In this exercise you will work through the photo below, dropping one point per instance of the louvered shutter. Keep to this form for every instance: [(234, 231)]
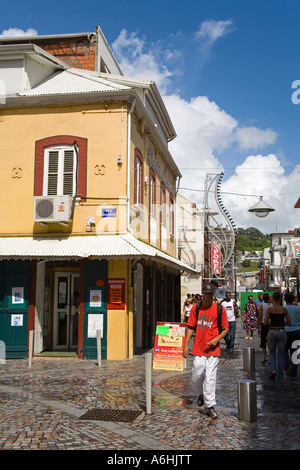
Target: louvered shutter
[(68, 172), (53, 158)]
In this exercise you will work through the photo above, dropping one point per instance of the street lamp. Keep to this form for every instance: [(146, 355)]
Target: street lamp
[(261, 209)]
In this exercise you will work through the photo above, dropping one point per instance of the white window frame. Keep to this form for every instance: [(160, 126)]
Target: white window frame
[(60, 171), (172, 216), (138, 180), (152, 187)]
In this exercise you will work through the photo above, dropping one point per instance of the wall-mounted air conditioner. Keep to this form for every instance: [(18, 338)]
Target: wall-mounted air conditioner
[(52, 209)]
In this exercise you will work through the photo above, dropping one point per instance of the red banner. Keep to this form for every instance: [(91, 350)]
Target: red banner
[(263, 274), (216, 258)]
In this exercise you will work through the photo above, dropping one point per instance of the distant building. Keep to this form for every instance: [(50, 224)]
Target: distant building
[(190, 236), (285, 255)]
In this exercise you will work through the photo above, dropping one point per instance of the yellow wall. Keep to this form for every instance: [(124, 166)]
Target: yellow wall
[(119, 322), (106, 131), (144, 142), (105, 128)]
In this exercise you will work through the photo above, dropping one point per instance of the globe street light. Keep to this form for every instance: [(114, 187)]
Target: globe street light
[(261, 209)]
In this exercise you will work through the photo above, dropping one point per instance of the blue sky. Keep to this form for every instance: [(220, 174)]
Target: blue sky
[(225, 70)]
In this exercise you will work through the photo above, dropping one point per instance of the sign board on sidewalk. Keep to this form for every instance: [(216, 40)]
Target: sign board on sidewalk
[(168, 346)]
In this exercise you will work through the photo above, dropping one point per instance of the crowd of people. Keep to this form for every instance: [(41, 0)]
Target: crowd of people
[(276, 319), (278, 334)]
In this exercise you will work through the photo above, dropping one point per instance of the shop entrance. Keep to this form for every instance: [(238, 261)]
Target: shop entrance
[(65, 311)]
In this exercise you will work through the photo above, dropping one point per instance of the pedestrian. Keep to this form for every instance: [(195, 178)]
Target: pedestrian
[(262, 328), (187, 306), (231, 310), (250, 317), (277, 317), (260, 300), (206, 348), (292, 334)]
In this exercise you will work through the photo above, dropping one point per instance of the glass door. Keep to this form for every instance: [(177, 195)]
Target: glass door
[(74, 311), (66, 295)]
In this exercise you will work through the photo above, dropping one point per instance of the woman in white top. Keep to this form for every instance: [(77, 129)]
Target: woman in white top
[(186, 310)]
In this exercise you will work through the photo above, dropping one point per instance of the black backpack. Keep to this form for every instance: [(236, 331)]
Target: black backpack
[(219, 313)]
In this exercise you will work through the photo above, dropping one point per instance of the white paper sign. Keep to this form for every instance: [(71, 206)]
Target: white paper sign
[(16, 319), (95, 322)]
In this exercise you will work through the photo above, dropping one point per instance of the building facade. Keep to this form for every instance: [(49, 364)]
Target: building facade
[(284, 262), (88, 203)]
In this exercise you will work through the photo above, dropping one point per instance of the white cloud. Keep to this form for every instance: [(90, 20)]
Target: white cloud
[(254, 138), (204, 131), (137, 61), (263, 176), (16, 32), (211, 30)]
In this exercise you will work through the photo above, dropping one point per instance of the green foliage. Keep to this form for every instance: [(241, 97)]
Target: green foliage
[(251, 239)]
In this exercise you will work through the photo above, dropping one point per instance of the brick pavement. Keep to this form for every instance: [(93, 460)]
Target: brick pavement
[(42, 407)]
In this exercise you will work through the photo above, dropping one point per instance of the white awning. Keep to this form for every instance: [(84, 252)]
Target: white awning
[(81, 247)]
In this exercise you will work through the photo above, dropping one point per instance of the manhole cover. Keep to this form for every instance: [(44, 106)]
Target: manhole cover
[(99, 414)]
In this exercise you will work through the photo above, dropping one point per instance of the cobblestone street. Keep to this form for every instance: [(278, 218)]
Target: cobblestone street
[(42, 407)]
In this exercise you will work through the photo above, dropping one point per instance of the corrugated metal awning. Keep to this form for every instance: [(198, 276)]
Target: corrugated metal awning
[(81, 247)]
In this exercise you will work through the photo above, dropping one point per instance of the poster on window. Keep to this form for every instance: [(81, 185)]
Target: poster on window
[(168, 346), (95, 297), (16, 320), (17, 295)]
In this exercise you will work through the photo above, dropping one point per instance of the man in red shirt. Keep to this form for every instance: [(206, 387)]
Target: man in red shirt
[(206, 348)]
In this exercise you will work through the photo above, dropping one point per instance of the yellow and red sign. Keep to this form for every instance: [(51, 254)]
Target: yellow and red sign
[(168, 346)]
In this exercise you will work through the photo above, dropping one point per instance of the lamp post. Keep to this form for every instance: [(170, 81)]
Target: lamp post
[(261, 209)]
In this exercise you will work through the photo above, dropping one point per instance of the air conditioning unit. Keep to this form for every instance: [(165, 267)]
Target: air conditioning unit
[(52, 209)]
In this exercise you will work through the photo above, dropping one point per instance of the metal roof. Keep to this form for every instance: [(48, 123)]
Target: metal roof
[(71, 81), (81, 247)]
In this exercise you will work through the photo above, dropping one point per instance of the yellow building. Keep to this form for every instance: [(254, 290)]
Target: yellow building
[(87, 211)]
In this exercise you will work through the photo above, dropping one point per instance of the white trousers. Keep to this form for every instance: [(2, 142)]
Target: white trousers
[(204, 378)]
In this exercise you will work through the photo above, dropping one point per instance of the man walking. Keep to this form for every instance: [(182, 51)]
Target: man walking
[(231, 310), (206, 348)]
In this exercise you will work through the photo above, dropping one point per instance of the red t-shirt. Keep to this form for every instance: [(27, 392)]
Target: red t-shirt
[(207, 328)]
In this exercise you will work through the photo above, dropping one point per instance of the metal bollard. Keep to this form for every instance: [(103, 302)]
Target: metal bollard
[(99, 357), (30, 352), (148, 357), (2, 353), (249, 359), (247, 407)]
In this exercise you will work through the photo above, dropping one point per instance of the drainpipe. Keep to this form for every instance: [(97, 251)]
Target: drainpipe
[(128, 165)]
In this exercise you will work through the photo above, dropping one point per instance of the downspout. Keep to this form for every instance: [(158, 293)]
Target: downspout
[(129, 329), (176, 221), (128, 164), (76, 183)]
